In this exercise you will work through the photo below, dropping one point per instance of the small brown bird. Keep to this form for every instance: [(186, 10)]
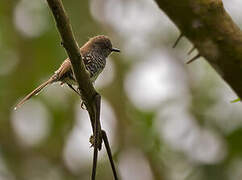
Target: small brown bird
[(94, 54)]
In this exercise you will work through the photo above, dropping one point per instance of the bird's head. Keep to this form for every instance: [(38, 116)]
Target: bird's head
[(101, 44)]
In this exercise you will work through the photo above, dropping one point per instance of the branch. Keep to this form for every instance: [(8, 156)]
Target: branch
[(90, 97), (62, 21), (108, 149), (212, 31)]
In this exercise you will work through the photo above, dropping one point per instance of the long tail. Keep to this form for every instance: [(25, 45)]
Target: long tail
[(36, 91)]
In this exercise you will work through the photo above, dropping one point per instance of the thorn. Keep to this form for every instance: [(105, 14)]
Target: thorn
[(193, 59), (191, 50), (83, 106), (177, 41)]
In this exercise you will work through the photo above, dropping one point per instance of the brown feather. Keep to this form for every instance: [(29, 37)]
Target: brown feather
[(35, 91), (92, 63)]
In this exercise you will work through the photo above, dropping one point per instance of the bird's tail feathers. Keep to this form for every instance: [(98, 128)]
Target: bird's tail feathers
[(35, 91)]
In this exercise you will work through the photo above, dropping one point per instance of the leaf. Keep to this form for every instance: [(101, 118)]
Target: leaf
[(235, 101)]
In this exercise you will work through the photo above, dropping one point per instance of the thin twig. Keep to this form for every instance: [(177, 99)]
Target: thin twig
[(94, 163), (97, 126), (106, 143)]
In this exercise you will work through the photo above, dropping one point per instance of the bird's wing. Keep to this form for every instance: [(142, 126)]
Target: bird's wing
[(63, 69)]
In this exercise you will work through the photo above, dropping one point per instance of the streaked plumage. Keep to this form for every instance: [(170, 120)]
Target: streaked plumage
[(94, 54)]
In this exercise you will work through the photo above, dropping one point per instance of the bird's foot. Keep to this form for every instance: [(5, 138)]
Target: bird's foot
[(83, 105), (99, 143)]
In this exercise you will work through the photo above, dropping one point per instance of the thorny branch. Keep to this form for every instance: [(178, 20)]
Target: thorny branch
[(212, 31), (90, 97)]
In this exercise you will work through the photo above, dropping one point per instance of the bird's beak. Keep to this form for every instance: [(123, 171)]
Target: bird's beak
[(115, 50)]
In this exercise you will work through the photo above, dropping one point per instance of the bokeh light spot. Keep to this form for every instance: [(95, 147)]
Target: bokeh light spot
[(150, 82), (31, 17), (8, 61), (134, 166), (31, 123)]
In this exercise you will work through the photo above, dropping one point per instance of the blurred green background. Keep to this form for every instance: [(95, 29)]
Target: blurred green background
[(165, 120)]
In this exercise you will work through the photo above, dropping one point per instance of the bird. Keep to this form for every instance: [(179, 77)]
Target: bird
[(94, 53)]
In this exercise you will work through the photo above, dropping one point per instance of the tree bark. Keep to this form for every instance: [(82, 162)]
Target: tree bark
[(212, 31), (72, 49)]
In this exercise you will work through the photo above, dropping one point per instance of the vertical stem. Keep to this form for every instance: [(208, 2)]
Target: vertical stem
[(97, 130), (106, 143), (94, 165)]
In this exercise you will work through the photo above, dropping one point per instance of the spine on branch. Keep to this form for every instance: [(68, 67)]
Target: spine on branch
[(214, 34)]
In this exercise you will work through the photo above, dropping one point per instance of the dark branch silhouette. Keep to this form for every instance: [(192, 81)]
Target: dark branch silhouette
[(90, 97)]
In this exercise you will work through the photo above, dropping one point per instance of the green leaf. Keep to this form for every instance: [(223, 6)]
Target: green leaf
[(235, 101)]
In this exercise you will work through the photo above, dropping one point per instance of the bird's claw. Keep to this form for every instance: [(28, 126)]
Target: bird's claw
[(92, 142)]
